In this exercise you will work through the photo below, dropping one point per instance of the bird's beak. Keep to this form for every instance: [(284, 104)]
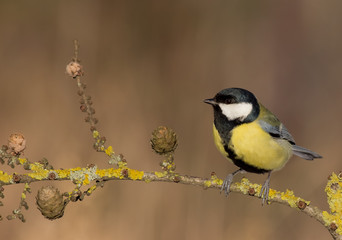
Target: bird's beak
[(210, 101)]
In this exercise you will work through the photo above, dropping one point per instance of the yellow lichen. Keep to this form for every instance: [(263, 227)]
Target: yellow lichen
[(70, 194), (160, 174), (96, 134), (334, 194), (122, 164), (217, 181), (91, 189), (38, 171), (272, 193), (63, 173), (4, 177), (339, 176), (245, 185), (333, 218), (117, 173), (214, 180), (109, 151), (291, 199), (288, 196), (86, 179), (83, 175), (22, 161), (170, 166), (23, 196), (36, 167), (207, 183), (111, 172), (135, 174)]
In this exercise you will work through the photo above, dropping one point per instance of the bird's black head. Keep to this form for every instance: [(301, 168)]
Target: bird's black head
[(235, 104)]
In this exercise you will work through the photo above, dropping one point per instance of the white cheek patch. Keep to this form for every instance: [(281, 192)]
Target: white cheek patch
[(236, 110)]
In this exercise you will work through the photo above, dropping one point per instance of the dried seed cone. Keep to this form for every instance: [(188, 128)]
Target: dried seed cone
[(74, 69), (164, 140), (17, 143), (50, 202)]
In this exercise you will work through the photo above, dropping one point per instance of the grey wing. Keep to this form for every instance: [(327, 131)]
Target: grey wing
[(277, 131), (283, 133)]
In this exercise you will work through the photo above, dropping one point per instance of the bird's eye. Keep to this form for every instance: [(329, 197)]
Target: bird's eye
[(226, 99), (229, 100)]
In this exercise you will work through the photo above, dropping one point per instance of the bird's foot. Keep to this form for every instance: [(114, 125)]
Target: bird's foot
[(265, 189), (226, 184), (228, 181)]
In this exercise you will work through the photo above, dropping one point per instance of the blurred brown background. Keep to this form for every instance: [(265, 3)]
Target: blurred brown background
[(151, 63)]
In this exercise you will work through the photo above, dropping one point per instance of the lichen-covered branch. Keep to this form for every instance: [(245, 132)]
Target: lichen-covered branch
[(91, 176), (87, 179)]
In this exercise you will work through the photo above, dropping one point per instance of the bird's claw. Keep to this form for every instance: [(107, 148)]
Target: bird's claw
[(265, 189), (226, 184)]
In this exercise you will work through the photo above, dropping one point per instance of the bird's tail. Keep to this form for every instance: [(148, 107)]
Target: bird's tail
[(304, 153)]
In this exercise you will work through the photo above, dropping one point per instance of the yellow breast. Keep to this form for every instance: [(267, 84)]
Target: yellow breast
[(219, 143), (257, 148)]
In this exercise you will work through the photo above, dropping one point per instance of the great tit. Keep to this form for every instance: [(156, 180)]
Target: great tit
[(251, 137)]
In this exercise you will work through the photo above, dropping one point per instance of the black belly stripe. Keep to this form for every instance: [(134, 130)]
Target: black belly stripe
[(241, 164)]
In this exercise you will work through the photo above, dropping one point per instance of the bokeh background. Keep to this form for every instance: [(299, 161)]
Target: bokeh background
[(150, 63)]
